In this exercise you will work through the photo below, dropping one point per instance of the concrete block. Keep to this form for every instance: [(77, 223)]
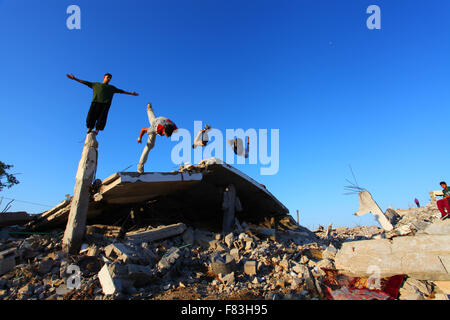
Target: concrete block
[(169, 258), (250, 268), (223, 265), (7, 264), (439, 227), (122, 252), (156, 234), (7, 260), (235, 254), (109, 283), (229, 239), (424, 257)]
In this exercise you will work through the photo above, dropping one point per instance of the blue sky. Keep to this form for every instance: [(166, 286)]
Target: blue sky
[(339, 93)]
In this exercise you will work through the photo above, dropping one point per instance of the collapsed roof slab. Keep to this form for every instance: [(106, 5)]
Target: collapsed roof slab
[(254, 196), (131, 187), (120, 188), (200, 189)]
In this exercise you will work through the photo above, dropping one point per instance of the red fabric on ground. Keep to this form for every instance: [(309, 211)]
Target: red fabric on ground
[(342, 287)]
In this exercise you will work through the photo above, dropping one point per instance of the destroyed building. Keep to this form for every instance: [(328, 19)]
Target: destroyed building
[(211, 232)]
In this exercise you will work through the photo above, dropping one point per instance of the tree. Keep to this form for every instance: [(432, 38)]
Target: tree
[(10, 178)]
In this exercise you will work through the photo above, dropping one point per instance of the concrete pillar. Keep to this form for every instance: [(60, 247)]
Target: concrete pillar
[(76, 223), (230, 204), (367, 204)]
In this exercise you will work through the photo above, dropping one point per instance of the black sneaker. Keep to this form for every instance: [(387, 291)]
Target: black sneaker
[(445, 217)]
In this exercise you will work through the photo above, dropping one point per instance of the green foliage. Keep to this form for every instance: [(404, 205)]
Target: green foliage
[(10, 178)]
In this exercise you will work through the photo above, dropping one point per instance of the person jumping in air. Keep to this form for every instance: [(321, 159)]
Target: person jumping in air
[(238, 147), (101, 101), (161, 126), (202, 138)]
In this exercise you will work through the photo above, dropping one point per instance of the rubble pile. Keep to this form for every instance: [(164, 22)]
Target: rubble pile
[(252, 262), (263, 263), (211, 232)]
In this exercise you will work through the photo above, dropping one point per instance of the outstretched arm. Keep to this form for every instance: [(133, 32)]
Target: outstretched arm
[(134, 93), (71, 76), (143, 131)]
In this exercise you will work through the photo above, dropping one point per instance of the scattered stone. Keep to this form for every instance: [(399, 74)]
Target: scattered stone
[(229, 239), (109, 281), (250, 268)]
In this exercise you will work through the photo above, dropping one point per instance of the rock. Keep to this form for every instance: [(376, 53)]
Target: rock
[(235, 254), (285, 263), (120, 251), (62, 290), (304, 259), (413, 289), (329, 253), (229, 239), (229, 278), (325, 263), (202, 238), (45, 266), (223, 265), (26, 289), (249, 244), (140, 275), (188, 236), (109, 282), (250, 268), (169, 258), (93, 251), (7, 264)]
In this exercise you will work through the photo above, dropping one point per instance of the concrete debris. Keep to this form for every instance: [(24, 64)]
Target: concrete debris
[(14, 218), (156, 234), (161, 236)]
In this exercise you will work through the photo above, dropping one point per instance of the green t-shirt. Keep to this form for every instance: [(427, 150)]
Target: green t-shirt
[(446, 192), (103, 92)]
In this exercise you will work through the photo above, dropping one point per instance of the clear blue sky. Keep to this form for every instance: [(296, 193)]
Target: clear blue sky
[(339, 93)]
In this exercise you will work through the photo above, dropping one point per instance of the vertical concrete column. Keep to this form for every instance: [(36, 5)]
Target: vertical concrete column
[(76, 223), (230, 204)]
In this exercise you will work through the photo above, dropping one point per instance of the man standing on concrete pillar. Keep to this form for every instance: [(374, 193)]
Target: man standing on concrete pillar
[(101, 101), (158, 126)]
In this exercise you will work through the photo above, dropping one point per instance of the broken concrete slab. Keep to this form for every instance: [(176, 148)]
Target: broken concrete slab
[(199, 190), (109, 282), (130, 187), (7, 260), (439, 227), (105, 230), (121, 251), (169, 258), (424, 257), (156, 234), (14, 218), (367, 204), (222, 264)]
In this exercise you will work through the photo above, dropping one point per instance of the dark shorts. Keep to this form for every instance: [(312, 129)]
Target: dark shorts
[(97, 115)]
